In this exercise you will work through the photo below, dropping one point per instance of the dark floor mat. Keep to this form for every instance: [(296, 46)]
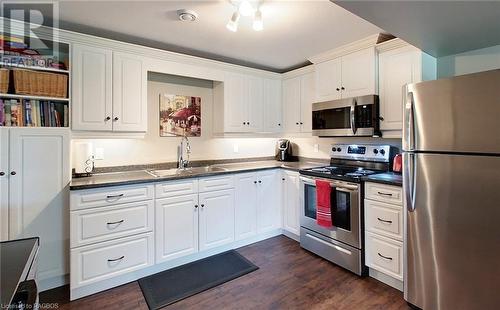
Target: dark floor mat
[(172, 285)]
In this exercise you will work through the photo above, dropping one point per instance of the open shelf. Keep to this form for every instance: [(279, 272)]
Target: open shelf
[(33, 97), (48, 69)]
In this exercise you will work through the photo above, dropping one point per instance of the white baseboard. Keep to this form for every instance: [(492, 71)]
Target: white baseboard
[(133, 276), (291, 235), (53, 282), (382, 277)]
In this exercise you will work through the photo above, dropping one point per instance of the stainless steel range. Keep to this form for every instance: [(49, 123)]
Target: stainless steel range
[(342, 243)]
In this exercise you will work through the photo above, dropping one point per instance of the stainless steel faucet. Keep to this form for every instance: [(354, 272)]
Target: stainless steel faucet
[(183, 162)]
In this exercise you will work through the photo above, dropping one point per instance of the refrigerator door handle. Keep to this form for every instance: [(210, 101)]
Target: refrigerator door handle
[(410, 114), (353, 116), (409, 180)]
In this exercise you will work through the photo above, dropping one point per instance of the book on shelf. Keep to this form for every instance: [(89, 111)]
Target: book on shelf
[(33, 113)]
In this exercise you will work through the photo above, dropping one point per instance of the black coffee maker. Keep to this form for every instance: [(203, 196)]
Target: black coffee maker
[(284, 150)]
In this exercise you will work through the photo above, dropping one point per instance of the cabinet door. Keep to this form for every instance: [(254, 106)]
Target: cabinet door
[(39, 194), (4, 184), (129, 93), (91, 89), (328, 76), (272, 106), (307, 98), (396, 69), (291, 202), (291, 104), (269, 200), (176, 227), (245, 207), (359, 74), (235, 97), (255, 104), (216, 218)]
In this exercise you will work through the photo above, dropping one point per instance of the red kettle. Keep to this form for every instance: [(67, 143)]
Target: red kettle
[(397, 164)]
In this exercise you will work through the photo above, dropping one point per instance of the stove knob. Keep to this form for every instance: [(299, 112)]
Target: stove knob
[(375, 151), (339, 149), (382, 152)]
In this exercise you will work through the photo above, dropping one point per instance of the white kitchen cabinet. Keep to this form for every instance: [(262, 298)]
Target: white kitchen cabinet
[(38, 178), (328, 77), (273, 110), (176, 227), (108, 90), (234, 96), (350, 75), (255, 104), (268, 200), (91, 75), (4, 184), (297, 101), (291, 202), (245, 207), (129, 93), (216, 218), (399, 64)]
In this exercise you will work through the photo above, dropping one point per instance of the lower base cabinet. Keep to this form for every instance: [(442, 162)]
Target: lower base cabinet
[(216, 218), (291, 202)]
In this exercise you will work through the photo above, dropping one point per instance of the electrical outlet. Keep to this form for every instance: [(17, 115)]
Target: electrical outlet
[(316, 148), (236, 148), (99, 153)]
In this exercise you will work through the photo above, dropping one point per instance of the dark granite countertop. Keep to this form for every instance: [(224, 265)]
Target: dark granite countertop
[(143, 176), (389, 178), (16, 257)]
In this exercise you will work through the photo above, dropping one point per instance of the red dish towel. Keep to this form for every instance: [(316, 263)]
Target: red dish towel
[(323, 204)]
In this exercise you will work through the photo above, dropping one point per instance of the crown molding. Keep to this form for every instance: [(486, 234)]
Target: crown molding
[(355, 46), (298, 72), (393, 44)]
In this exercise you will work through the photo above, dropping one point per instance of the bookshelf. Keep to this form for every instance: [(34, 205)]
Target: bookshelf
[(22, 103)]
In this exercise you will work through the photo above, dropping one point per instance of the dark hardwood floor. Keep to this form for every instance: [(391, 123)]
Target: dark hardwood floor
[(289, 278)]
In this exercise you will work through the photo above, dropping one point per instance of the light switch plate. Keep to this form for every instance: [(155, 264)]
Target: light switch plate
[(99, 153), (316, 148), (236, 148)]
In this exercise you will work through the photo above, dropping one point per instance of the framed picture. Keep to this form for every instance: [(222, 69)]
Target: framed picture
[(180, 115)]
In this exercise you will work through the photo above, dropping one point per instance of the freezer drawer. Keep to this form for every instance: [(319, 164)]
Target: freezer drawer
[(453, 232)]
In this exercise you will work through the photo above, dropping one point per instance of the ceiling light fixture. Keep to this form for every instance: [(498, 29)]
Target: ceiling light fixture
[(246, 8), (258, 24), (232, 25)]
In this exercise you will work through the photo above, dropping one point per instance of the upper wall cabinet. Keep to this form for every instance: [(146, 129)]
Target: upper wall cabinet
[(347, 76), (246, 103), (109, 90), (298, 95), (399, 64)]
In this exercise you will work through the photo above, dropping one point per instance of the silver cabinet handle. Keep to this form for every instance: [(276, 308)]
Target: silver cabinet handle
[(117, 222), (114, 196), (116, 259), (385, 221), (385, 257), (384, 194)]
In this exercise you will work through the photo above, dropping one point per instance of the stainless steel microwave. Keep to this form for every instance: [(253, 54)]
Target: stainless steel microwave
[(358, 116)]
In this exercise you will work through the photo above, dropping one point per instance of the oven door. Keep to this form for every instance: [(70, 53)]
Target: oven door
[(345, 201), (346, 117)]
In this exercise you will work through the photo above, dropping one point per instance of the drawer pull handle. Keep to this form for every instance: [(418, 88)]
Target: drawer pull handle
[(116, 259), (114, 196), (384, 194), (117, 222), (389, 258), (385, 221)]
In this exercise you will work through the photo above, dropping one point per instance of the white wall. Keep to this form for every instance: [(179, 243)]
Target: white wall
[(469, 62), (156, 149)]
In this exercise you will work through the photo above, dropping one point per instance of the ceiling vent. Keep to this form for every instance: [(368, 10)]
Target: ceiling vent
[(187, 15)]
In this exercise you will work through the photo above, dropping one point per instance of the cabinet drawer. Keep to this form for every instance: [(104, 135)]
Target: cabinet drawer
[(385, 219), (216, 183), (176, 188), (105, 260), (384, 193), (91, 198), (105, 223), (384, 255)]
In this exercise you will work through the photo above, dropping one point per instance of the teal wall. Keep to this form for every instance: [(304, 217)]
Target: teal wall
[(469, 62)]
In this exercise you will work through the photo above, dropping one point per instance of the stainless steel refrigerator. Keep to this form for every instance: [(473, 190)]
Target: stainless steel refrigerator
[(451, 160)]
